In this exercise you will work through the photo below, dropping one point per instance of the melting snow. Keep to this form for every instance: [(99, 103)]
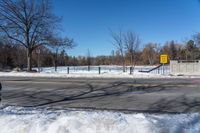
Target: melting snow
[(29, 120)]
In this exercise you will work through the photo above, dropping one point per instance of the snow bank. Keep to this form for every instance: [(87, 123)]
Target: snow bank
[(27, 120)]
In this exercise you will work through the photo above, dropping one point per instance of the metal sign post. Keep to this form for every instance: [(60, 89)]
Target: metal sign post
[(163, 68), (163, 60)]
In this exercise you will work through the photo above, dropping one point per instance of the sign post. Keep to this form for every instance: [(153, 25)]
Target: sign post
[(163, 60)]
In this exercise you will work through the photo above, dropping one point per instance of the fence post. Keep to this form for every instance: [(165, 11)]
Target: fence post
[(130, 70), (99, 70), (67, 70)]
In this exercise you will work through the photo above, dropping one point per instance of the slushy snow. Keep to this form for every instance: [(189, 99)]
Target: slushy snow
[(32, 120)]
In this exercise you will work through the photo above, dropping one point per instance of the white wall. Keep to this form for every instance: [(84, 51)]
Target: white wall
[(185, 67)]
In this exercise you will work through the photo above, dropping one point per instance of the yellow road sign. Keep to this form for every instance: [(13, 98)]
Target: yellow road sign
[(163, 58)]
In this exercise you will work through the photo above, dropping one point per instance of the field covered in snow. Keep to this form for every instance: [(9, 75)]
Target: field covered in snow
[(105, 72), (103, 69), (30, 120)]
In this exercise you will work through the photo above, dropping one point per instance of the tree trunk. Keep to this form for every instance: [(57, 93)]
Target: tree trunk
[(123, 60), (29, 60), (131, 61), (134, 64), (150, 61), (56, 60), (55, 65)]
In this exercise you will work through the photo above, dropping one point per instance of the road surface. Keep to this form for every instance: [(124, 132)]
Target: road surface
[(137, 95)]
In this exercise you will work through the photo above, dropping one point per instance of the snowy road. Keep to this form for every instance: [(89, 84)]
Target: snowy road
[(137, 95)]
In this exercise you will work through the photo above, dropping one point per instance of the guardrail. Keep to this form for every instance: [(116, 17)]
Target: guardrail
[(160, 69), (106, 69)]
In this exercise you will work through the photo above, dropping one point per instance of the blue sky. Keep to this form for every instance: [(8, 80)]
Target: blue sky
[(89, 21)]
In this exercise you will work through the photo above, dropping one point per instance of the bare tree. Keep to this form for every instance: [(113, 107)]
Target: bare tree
[(112, 62), (149, 53), (118, 42), (131, 42), (191, 50), (27, 22), (58, 44), (196, 38)]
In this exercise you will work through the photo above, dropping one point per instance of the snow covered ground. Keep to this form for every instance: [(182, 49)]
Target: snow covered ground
[(94, 69), (41, 120), (106, 72), (29, 120), (82, 71), (82, 75), (112, 69)]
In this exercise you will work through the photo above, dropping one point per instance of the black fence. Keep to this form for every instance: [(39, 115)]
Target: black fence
[(107, 69)]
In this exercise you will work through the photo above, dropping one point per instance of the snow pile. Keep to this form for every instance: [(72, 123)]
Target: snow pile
[(23, 120)]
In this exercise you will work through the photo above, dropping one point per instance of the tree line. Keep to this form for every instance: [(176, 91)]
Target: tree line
[(15, 55), (30, 36), (31, 24)]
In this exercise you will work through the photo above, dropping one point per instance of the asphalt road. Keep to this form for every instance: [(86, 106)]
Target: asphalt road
[(137, 95)]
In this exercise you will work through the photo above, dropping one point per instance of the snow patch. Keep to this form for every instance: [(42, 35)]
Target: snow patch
[(29, 120)]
